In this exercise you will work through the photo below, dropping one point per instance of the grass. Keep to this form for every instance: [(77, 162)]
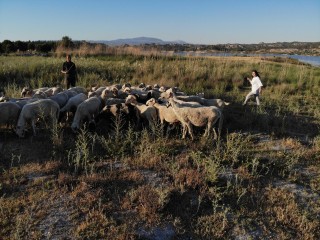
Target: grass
[(259, 180)]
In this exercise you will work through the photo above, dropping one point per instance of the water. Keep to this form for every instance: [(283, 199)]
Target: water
[(313, 60)]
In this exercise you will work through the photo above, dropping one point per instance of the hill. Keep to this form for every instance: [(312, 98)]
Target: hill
[(137, 41)]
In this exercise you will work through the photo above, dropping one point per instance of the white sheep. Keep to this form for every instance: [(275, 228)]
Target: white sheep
[(145, 112), (96, 91), (111, 101), (199, 116), (53, 91), (72, 104), (39, 95), (42, 108), (87, 110), (60, 98), (9, 113), (29, 92), (165, 114), (78, 89), (203, 101)]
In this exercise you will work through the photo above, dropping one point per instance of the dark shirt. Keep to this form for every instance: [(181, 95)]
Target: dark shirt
[(70, 68)]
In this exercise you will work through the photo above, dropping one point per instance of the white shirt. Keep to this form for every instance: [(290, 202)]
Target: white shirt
[(255, 84)]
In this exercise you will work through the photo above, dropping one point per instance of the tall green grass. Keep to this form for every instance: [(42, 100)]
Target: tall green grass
[(293, 87)]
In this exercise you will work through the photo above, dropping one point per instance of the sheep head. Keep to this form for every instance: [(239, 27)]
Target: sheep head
[(20, 131), (151, 102), (131, 99), (25, 91)]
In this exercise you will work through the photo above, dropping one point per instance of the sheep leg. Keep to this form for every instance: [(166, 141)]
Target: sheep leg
[(190, 130), (33, 127), (215, 134), (184, 131)]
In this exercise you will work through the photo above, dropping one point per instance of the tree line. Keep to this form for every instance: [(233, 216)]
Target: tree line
[(8, 46), (66, 42)]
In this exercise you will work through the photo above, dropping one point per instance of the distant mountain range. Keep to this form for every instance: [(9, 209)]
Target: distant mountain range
[(138, 41)]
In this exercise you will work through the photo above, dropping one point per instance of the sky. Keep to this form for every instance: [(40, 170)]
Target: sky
[(193, 21)]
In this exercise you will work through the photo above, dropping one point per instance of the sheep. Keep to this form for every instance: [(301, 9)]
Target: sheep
[(61, 98), (70, 93), (203, 101), (41, 108), (78, 89), (165, 114), (165, 96), (113, 110), (87, 110), (111, 101), (2, 93), (148, 113), (126, 113), (9, 113), (72, 105), (200, 116), (96, 91), (126, 85), (39, 95), (27, 91), (53, 91), (23, 101), (142, 85), (107, 93), (154, 93), (215, 102), (4, 99)]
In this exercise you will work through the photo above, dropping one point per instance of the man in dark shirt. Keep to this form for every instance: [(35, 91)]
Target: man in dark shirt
[(69, 69)]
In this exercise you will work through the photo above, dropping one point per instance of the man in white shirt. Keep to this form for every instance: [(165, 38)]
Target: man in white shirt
[(256, 87)]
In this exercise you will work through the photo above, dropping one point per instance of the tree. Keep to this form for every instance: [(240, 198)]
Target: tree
[(31, 46), (8, 46), (66, 42), (21, 46), (44, 47)]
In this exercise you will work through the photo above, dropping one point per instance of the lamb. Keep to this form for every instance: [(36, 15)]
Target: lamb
[(200, 116), (87, 110), (32, 111), (148, 113), (9, 113), (72, 104)]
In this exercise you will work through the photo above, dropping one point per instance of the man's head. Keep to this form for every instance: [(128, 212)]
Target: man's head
[(68, 58)]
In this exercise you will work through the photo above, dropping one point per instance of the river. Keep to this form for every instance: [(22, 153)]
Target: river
[(313, 60)]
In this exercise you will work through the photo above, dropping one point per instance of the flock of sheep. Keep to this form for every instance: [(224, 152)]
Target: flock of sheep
[(141, 104)]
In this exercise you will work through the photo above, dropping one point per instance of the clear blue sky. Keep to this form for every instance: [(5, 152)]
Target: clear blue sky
[(194, 21)]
